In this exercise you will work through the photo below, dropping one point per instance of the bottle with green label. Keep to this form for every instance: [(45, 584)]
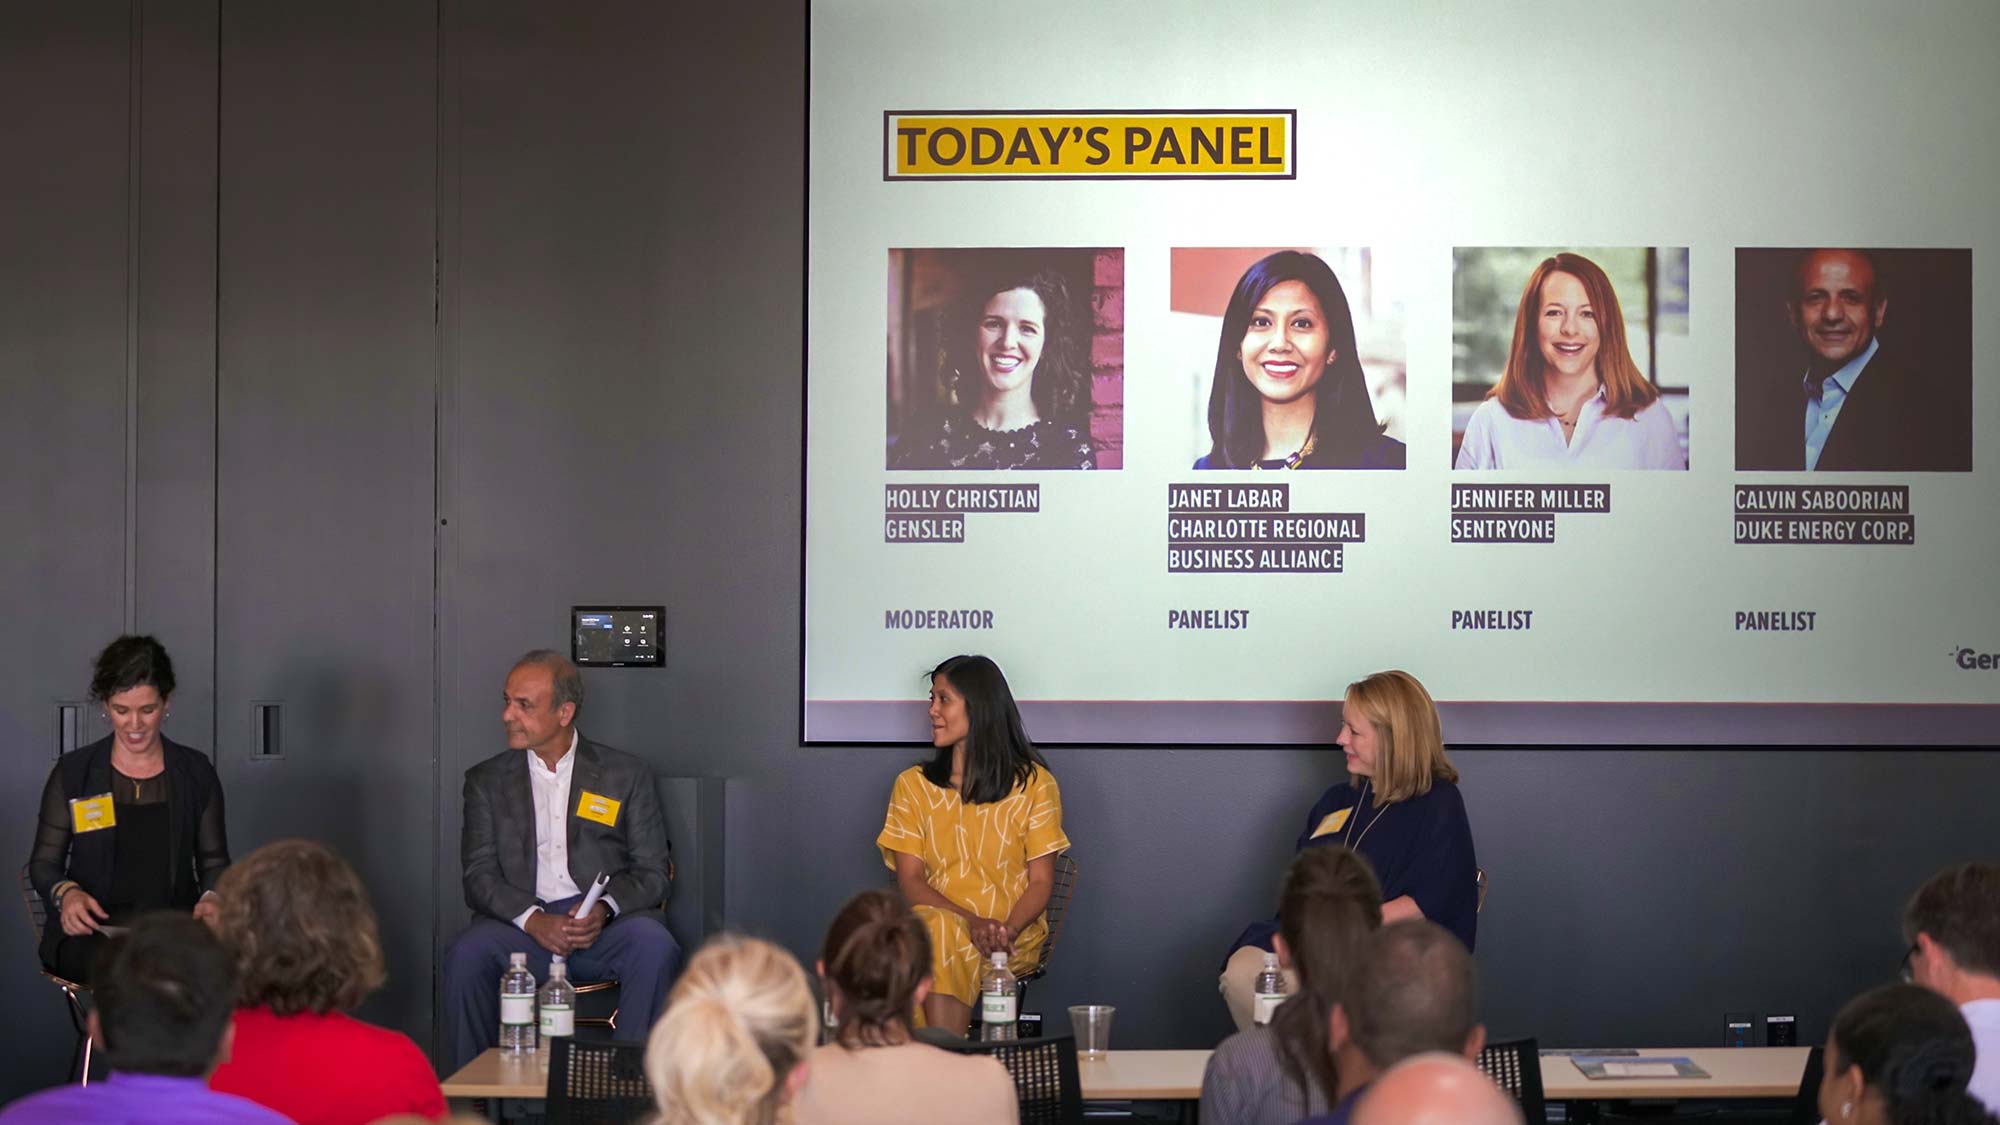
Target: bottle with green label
[(557, 1002), (517, 1006), (999, 1000)]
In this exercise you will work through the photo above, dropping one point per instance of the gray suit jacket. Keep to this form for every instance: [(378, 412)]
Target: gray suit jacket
[(497, 844)]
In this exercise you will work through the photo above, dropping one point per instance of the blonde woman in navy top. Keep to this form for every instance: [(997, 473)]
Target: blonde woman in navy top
[(1399, 808)]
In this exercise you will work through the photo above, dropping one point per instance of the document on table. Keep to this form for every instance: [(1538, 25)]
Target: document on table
[(1600, 1066)]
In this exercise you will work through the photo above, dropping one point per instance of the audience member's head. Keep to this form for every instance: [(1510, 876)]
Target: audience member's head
[(1329, 904), (1436, 1089), (1899, 1053), (1952, 925), (876, 964), (304, 935), (164, 994), (731, 1048), (1411, 991)]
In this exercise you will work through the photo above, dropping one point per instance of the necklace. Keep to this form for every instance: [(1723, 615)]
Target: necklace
[(1354, 814), (1296, 459)]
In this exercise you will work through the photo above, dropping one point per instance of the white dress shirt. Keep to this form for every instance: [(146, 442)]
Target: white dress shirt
[(550, 787), (1983, 1016), (1824, 401), (1495, 439)]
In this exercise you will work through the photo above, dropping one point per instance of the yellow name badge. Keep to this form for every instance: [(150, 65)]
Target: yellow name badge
[(601, 809), (88, 814), (1331, 823)]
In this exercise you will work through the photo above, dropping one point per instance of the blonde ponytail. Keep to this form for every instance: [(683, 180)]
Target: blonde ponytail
[(738, 1023)]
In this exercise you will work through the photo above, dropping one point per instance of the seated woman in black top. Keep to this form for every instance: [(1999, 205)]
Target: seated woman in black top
[(129, 823), (1400, 809), (1015, 366)]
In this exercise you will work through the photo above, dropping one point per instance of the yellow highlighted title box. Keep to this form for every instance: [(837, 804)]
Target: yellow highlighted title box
[(1260, 144)]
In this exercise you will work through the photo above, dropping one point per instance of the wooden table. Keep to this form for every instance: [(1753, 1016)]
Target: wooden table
[(1141, 1076), (497, 1075), (1738, 1072), (1734, 1072), (1120, 1076)]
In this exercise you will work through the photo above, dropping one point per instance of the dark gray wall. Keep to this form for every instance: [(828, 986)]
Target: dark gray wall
[(484, 311)]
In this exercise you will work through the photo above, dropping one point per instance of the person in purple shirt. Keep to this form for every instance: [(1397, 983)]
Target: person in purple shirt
[(165, 992)]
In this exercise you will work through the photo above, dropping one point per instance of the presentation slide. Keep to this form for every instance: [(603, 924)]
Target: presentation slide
[(1625, 373)]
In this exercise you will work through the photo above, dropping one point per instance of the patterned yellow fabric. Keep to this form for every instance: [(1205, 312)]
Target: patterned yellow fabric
[(976, 856)]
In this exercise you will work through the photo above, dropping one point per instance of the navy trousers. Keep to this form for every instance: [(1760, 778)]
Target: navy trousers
[(636, 951)]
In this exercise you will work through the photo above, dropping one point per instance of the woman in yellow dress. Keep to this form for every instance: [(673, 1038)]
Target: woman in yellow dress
[(973, 836)]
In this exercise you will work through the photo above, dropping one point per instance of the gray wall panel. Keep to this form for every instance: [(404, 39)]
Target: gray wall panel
[(174, 509), (63, 139), (326, 418)]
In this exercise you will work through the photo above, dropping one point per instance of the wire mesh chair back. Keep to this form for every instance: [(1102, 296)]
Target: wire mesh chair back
[(38, 911), (1515, 1065), (597, 1083), (1046, 1083), (1059, 896), (73, 993)]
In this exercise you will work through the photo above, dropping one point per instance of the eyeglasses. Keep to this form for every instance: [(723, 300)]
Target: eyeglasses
[(1908, 974)]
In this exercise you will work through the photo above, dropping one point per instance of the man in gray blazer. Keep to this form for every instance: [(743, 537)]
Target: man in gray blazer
[(542, 819)]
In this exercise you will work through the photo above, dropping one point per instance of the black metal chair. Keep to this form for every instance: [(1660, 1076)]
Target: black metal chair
[(597, 1083), (1515, 1065), (597, 1004), (73, 993), (1046, 1083), (1058, 907), (1805, 1104), (597, 1000)]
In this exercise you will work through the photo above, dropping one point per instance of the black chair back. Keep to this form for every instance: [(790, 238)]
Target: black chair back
[(1046, 1083), (597, 1083), (1805, 1104), (1515, 1065), (1058, 907), (73, 993)]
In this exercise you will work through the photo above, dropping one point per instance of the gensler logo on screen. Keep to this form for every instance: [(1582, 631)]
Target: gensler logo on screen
[(1970, 659), (1090, 144)]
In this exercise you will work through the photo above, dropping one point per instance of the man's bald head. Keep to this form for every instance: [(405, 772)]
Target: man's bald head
[(1436, 1089)]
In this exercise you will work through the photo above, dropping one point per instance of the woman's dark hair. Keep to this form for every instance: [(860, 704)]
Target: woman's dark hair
[(1914, 1049), (999, 758), (876, 953), (1330, 903), (165, 990), (1343, 421), (1061, 389), (299, 923), (129, 662)]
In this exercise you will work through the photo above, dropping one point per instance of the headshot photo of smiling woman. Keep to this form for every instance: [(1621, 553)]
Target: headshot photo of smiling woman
[(1291, 385), (997, 358), (1570, 392)]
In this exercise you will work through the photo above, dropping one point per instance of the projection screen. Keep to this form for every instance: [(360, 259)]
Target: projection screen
[(1622, 371)]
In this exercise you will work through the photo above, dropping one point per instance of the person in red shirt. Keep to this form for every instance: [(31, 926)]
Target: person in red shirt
[(309, 951)]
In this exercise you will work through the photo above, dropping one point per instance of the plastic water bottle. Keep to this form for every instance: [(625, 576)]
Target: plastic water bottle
[(557, 1004), (1269, 990), (517, 1006), (999, 1001)]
